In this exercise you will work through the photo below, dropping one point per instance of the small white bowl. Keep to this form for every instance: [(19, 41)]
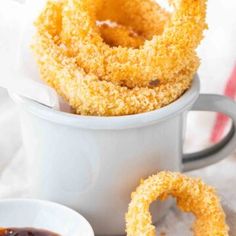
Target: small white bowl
[(18, 213)]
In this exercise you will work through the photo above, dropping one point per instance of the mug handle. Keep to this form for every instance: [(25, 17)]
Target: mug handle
[(215, 103)]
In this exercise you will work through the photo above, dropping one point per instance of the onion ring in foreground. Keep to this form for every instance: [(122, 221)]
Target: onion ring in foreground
[(192, 195)]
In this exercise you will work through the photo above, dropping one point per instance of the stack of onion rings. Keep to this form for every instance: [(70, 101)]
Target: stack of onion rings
[(192, 196), (152, 66), (159, 58)]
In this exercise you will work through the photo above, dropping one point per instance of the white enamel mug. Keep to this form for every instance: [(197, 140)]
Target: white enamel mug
[(92, 164)]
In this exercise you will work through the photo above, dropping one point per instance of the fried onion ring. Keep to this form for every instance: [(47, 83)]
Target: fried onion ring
[(161, 57), (88, 93), (192, 196), (145, 17), (125, 19), (85, 92)]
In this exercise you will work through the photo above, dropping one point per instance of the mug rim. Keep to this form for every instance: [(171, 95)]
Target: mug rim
[(112, 122)]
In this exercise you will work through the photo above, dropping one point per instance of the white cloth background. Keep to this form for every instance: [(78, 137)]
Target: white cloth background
[(218, 53)]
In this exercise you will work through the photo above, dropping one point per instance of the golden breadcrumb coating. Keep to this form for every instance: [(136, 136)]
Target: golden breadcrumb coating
[(145, 17), (86, 93), (120, 35), (159, 58), (135, 22), (192, 195), (90, 93)]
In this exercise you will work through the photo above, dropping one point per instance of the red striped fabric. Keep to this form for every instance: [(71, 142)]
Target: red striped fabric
[(222, 120)]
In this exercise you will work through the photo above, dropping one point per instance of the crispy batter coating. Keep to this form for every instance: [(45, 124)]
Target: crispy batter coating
[(119, 35), (134, 23), (161, 57), (88, 92), (192, 195), (85, 92), (145, 17)]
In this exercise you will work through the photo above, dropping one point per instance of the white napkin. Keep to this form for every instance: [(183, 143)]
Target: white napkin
[(19, 72), (10, 31)]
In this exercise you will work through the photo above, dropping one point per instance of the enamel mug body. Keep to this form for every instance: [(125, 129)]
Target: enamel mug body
[(92, 164)]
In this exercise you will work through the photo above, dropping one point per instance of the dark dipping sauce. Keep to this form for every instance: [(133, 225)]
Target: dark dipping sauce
[(25, 232)]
